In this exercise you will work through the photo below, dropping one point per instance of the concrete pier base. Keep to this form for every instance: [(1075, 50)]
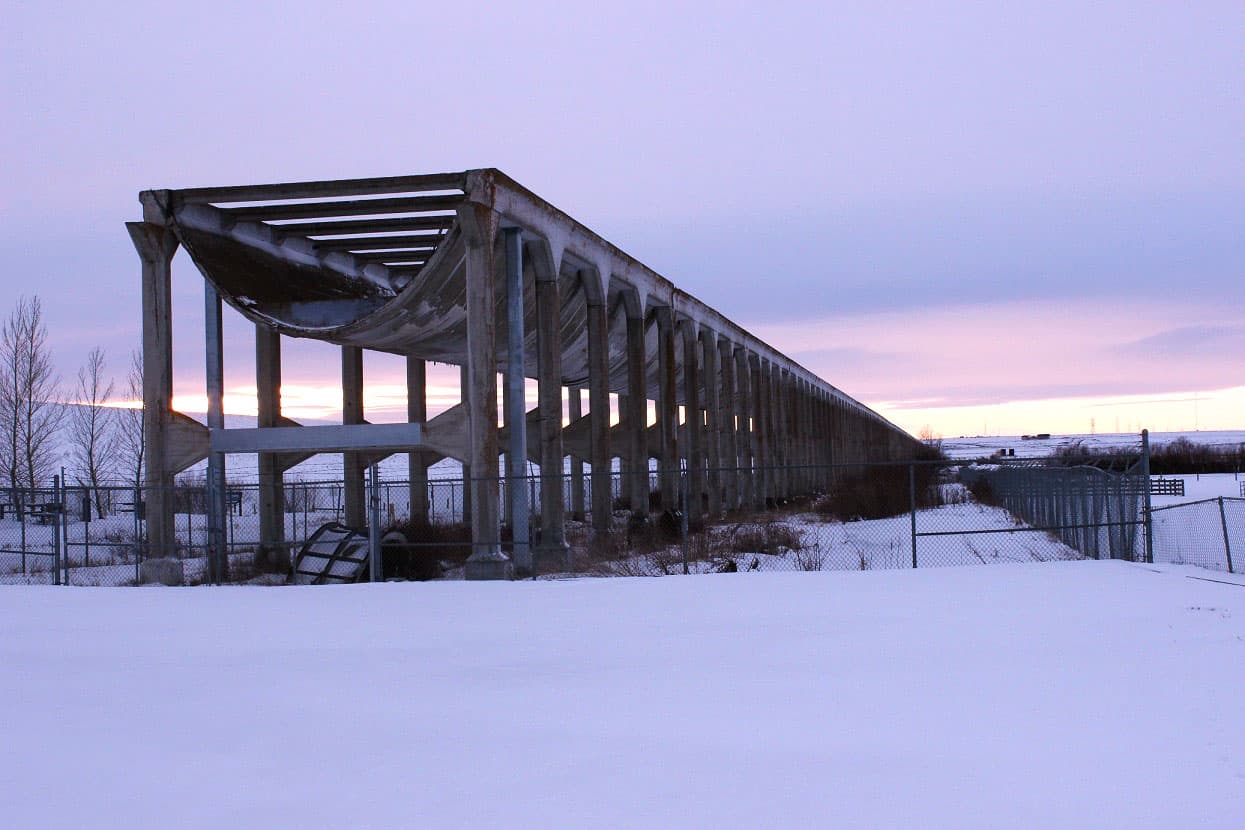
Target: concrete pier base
[(551, 558), (494, 565), (163, 571)]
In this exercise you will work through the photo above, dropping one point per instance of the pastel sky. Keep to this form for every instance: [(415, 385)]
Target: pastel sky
[(975, 217)]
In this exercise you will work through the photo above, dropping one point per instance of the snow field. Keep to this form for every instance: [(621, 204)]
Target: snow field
[(1077, 694)]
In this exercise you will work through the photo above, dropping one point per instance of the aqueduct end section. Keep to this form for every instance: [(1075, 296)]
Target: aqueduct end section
[(474, 270)]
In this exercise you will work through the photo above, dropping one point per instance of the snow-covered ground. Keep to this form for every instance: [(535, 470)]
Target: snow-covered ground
[(981, 446), (1075, 694), (1201, 487)]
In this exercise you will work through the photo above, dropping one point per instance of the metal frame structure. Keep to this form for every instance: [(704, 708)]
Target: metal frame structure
[(475, 270)]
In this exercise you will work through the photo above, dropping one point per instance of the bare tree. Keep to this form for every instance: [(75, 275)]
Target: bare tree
[(10, 403), (31, 413), (90, 434), (130, 447)]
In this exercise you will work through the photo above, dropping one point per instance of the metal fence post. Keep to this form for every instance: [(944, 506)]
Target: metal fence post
[(1227, 546), (1145, 474), (62, 523), (18, 497), (56, 537), (912, 506), (373, 531), (683, 497)]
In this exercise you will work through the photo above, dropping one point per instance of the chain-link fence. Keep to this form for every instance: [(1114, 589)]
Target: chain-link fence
[(1208, 533), (863, 516)]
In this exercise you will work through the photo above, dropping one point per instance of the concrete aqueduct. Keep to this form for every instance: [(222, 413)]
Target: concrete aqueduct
[(473, 269)]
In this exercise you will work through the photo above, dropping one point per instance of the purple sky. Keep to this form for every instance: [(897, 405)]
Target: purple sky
[(918, 202)]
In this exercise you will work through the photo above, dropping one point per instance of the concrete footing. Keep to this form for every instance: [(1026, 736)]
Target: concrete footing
[(161, 572), (495, 565), (553, 558)]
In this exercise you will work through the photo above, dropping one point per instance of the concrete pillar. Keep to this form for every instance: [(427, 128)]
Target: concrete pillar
[(272, 554), (575, 409), (417, 413), (214, 351), (466, 483), (778, 432), (713, 425), (599, 414), (552, 553), (761, 415), (352, 413), (636, 416), (514, 405), (487, 561), (744, 395), (667, 411), (728, 428), (156, 245), (692, 426)]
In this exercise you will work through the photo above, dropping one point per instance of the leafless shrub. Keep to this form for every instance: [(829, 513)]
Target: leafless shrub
[(811, 558), (772, 538)]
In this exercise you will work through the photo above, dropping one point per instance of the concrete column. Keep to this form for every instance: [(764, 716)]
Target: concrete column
[(761, 415), (272, 554), (552, 552), (713, 426), (729, 432), (417, 413), (778, 432), (156, 245), (692, 425), (352, 413), (468, 519), (487, 561), (599, 413), (218, 554), (744, 397), (575, 409), (636, 416), (514, 404), (667, 410)]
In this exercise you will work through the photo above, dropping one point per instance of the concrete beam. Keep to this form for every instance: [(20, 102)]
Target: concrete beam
[(357, 439)]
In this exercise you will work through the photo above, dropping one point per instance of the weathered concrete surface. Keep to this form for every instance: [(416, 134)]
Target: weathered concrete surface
[(414, 266)]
